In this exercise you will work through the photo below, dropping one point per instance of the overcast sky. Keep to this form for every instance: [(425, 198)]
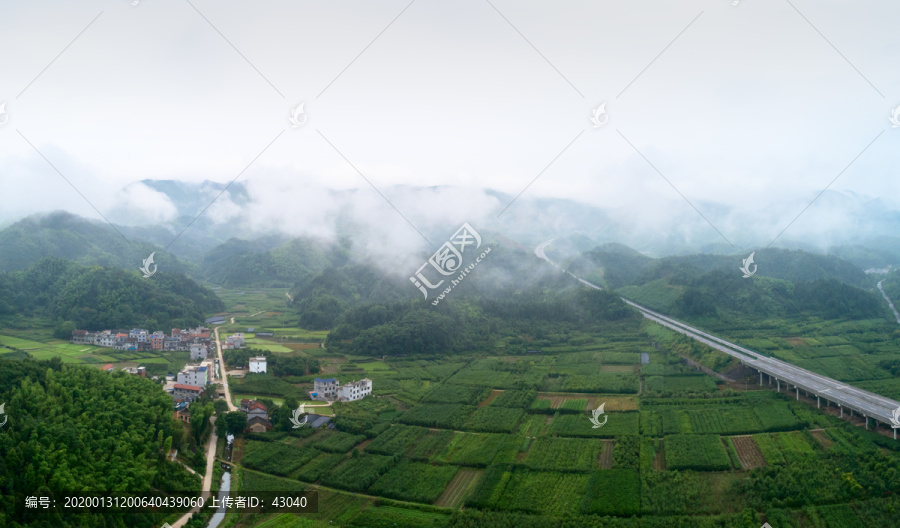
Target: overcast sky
[(763, 102)]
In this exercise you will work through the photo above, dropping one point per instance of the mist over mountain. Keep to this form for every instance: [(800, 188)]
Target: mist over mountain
[(245, 234)]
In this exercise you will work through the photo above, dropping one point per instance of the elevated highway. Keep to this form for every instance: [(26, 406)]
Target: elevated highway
[(865, 403)]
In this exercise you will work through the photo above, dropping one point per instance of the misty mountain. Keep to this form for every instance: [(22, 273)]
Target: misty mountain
[(71, 237), (97, 298), (270, 261)]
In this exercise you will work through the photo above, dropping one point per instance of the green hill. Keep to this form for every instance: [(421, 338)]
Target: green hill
[(269, 261), (71, 237), (97, 298)]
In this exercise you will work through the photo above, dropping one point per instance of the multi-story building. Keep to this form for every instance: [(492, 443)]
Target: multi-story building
[(324, 389), (156, 340), (106, 339), (193, 375), (172, 343), (198, 352), (186, 392), (258, 364), (140, 334), (236, 340), (355, 390), (330, 389)]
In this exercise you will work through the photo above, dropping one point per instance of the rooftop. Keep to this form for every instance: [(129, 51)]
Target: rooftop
[(188, 387)]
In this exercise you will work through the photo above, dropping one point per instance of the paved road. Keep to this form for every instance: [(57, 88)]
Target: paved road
[(886, 298), (231, 406), (864, 402)]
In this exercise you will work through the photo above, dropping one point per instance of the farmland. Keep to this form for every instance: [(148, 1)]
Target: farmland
[(488, 440)]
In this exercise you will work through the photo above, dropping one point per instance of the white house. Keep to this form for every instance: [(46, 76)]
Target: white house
[(236, 340), (331, 389), (355, 390), (193, 375), (198, 352), (258, 364)]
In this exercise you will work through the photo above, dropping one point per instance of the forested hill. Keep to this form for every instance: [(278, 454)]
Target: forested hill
[(270, 261), (785, 283), (97, 298), (510, 269), (71, 237), (616, 266), (71, 429), (478, 323)]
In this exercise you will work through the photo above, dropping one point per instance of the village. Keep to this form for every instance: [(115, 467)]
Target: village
[(204, 374)]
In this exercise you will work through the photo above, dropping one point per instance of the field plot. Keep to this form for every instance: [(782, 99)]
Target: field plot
[(613, 403), (551, 453), (513, 398), (605, 460), (427, 447), (22, 344), (466, 394), (613, 492), (276, 458), (597, 382), (671, 384), (494, 419), (480, 450), (491, 397), (781, 448), (625, 423), (544, 492), (395, 440), (414, 481), (697, 452), (393, 516), (463, 483), (357, 474), (443, 415), (748, 452)]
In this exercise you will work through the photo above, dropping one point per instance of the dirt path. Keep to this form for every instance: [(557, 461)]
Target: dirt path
[(605, 459), (207, 478), (458, 488), (659, 463), (289, 296), (487, 401), (748, 452), (819, 434)]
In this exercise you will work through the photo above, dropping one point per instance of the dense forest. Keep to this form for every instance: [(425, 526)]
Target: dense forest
[(417, 327), (73, 429), (274, 261), (97, 298)]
